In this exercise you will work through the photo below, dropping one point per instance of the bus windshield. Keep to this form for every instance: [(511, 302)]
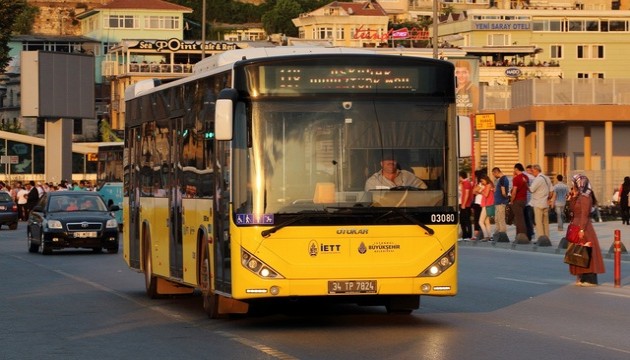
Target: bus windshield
[(313, 155)]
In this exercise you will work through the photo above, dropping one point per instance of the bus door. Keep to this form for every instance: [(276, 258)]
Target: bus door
[(176, 193), (132, 189)]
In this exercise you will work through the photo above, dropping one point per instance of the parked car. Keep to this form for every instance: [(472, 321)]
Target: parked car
[(72, 219), (8, 211)]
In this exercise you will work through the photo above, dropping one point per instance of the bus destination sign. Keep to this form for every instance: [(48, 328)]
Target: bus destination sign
[(306, 79)]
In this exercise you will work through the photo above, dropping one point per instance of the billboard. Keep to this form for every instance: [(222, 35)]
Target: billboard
[(57, 85)]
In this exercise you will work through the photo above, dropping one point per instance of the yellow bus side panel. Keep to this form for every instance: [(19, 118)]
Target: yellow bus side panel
[(154, 218), (196, 217)]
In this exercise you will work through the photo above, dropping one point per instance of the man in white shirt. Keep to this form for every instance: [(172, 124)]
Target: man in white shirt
[(390, 176), (540, 189)]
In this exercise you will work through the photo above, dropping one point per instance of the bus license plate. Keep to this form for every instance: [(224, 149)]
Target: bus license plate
[(352, 286), (85, 234)]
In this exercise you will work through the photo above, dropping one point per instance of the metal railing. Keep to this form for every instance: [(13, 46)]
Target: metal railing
[(534, 92)]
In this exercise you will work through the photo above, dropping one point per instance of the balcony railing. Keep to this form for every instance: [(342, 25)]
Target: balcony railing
[(534, 92), (112, 68)]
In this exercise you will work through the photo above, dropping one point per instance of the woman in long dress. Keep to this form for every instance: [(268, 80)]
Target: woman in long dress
[(581, 200)]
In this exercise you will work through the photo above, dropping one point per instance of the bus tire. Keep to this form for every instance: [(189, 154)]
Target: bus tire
[(150, 280), (402, 304), (210, 299)]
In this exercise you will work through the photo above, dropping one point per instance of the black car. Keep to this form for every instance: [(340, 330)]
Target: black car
[(72, 219), (8, 211)]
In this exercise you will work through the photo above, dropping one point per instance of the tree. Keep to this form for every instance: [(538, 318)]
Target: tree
[(8, 10), (278, 20)]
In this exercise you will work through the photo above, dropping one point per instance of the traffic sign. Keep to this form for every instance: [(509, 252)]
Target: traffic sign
[(485, 122)]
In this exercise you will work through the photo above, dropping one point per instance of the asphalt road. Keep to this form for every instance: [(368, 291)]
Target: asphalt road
[(512, 304)]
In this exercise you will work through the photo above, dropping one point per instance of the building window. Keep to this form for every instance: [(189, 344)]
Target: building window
[(324, 33), (590, 51), (41, 126), (121, 21), (498, 39), (161, 22), (556, 51), (595, 75), (78, 127), (340, 34)]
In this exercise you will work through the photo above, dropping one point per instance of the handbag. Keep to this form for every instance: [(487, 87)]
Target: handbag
[(490, 211), (578, 255), (573, 234)]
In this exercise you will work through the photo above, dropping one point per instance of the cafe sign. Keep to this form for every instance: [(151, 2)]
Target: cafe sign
[(175, 45)]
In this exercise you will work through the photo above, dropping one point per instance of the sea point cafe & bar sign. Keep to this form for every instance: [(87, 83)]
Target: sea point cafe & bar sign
[(175, 45)]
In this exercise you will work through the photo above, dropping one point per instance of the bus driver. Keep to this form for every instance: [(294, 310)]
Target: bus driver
[(390, 176)]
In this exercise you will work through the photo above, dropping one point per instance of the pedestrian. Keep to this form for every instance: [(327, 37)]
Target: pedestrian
[(21, 198), (518, 198), (476, 205), (559, 200), (487, 207), (501, 199), (581, 200), (32, 197), (465, 202), (624, 192), (529, 210), (541, 193)]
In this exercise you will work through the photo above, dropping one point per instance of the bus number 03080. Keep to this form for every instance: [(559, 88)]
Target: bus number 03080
[(443, 218)]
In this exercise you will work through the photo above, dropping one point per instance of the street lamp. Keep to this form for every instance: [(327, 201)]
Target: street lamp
[(435, 29)]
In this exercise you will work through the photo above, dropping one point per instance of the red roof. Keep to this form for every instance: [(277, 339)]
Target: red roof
[(370, 8), (144, 5)]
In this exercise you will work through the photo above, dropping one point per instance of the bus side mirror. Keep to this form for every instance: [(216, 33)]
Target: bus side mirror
[(223, 119), (224, 114), (464, 135)]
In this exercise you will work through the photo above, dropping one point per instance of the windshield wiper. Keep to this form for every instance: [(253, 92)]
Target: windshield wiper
[(298, 217), (410, 218)]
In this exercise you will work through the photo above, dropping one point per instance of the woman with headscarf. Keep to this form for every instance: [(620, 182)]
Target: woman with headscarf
[(581, 200), (624, 191)]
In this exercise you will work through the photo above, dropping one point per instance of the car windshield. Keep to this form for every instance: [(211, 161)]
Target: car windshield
[(5, 196), (76, 203)]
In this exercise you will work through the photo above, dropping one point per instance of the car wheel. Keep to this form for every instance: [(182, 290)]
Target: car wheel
[(32, 248), (13, 226), (43, 248), (113, 250), (97, 250)]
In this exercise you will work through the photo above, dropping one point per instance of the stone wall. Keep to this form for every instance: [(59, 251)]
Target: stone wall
[(58, 17)]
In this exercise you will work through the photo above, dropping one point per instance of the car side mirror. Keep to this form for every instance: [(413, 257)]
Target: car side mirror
[(38, 208), (114, 208)]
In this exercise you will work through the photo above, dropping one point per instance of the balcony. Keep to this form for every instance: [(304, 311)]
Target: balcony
[(112, 69), (546, 92)]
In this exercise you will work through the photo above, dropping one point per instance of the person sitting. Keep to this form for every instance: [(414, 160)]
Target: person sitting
[(72, 206), (87, 204), (391, 176)]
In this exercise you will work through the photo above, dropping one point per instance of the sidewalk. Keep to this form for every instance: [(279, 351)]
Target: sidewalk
[(605, 233)]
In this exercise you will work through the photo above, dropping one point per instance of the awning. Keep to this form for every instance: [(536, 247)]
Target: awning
[(501, 50)]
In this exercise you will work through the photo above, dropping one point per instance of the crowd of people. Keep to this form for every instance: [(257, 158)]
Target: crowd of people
[(528, 198), (27, 194)]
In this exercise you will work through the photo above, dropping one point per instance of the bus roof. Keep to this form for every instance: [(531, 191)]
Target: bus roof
[(230, 57)]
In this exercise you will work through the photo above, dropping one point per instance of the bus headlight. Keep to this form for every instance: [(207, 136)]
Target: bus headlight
[(444, 262), (255, 265)]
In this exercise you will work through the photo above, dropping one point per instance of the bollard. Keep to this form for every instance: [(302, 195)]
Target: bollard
[(617, 245)]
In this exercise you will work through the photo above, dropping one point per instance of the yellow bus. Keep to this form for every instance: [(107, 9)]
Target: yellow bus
[(247, 180)]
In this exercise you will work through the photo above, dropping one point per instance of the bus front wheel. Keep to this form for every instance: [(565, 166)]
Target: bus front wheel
[(210, 300), (150, 280)]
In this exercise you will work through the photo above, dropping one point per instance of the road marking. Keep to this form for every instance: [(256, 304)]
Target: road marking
[(260, 347), (613, 294), (523, 281)]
